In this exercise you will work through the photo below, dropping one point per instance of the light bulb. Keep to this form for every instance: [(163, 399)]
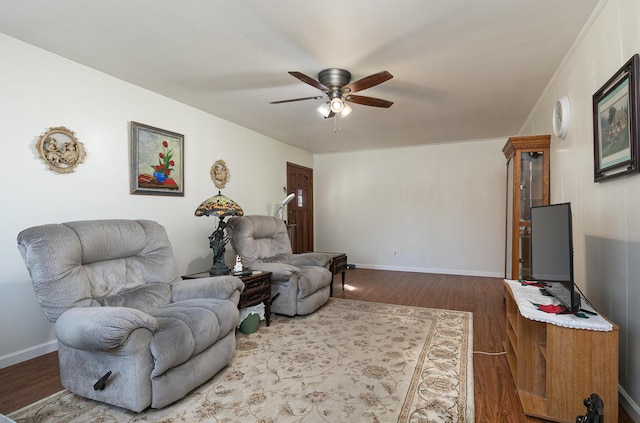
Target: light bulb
[(346, 110), (336, 105)]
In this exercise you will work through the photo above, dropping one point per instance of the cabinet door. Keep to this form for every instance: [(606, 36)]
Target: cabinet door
[(532, 194)]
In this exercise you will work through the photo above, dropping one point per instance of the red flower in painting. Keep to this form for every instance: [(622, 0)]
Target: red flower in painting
[(165, 164)]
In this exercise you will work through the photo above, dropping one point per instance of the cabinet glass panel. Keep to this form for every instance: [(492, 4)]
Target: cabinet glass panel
[(531, 195), (525, 251), (531, 183)]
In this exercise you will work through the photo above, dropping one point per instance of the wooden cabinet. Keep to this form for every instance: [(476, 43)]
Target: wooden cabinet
[(527, 186), (338, 265), (257, 289), (556, 368)]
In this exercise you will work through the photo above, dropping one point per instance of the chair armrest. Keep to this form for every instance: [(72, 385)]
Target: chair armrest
[(100, 328), (220, 287), (311, 259), (279, 271)]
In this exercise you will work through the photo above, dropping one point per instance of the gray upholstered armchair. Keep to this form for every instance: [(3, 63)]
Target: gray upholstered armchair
[(300, 281), (113, 290)]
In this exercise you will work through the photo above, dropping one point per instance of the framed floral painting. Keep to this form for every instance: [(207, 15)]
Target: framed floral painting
[(157, 161)]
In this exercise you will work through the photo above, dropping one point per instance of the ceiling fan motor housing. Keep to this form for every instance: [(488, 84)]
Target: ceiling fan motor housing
[(334, 78)]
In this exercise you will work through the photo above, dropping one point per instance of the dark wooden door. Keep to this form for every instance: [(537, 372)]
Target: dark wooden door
[(300, 210)]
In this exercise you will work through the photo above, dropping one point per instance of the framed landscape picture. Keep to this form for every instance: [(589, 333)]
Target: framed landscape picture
[(615, 124), (157, 161)]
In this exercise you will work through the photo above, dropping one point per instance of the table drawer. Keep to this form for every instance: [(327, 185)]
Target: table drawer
[(254, 293), (339, 264)]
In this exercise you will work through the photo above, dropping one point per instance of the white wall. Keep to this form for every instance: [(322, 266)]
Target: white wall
[(434, 208), (41, 90), (606, 215)]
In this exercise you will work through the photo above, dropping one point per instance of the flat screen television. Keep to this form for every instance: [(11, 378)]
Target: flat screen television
[(552, 252)]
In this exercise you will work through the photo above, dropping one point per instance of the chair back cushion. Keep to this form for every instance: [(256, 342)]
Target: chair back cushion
[(88, 263), (259, 239)]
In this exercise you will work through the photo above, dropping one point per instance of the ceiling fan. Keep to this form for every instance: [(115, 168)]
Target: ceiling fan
[(335, 83)]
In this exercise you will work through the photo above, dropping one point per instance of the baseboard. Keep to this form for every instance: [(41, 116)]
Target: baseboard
[(27, 354), (428, 270), (629, 405)]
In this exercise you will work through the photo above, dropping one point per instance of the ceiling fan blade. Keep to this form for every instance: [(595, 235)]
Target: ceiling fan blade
[(308, 80), (369, 101), (317, 97), (367, 82)]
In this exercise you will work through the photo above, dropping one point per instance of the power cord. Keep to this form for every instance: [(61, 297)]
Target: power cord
[(489, 353), (584, 297)]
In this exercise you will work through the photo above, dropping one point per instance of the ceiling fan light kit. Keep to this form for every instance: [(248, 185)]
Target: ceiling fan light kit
[(335, 84), (326, 111)]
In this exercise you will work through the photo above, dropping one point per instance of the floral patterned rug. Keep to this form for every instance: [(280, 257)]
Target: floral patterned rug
[(350, 361)]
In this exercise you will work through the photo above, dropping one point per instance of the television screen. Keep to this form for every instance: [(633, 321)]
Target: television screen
[(552, 252)]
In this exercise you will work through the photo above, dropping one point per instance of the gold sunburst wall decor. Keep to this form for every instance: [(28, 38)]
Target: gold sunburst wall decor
[(60, 149), (220, 174)]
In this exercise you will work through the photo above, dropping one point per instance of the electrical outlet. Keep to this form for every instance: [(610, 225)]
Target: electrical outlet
[(395, 253)]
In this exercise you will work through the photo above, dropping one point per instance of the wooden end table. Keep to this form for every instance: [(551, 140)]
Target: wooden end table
[(257, 289), (338, 265)]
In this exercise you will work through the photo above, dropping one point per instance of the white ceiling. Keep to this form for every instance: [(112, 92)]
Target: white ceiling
[(463, 69)]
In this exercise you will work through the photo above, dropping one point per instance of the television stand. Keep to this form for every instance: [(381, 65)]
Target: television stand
[(555, 368)]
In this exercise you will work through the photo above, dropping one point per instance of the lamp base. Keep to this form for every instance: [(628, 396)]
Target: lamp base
[(219, 270)]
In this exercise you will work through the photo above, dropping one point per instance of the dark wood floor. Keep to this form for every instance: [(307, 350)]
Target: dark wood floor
[(496, 398)]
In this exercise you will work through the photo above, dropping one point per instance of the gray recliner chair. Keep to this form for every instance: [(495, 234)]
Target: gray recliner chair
[(113, 290), (300, 283)]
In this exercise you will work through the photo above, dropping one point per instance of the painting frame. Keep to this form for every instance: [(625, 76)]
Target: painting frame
[(156, 161), (615, 124)]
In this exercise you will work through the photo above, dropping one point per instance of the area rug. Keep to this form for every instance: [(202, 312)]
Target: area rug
[(350, 361)]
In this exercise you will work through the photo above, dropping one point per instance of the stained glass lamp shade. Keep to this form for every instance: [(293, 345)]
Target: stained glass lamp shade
[(221, 207)]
